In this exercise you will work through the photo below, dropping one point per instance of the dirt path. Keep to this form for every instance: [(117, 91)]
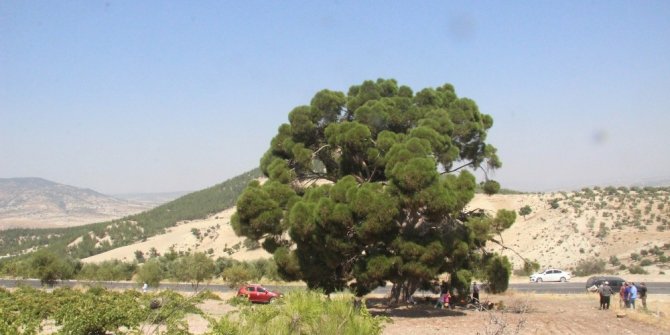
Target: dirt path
[(576, 314)]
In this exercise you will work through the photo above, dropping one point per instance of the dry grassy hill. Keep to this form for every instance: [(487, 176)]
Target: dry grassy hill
[(629, 225), (212, 235), (615, 225)]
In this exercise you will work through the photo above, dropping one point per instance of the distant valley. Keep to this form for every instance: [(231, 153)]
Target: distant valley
[(40, 203)]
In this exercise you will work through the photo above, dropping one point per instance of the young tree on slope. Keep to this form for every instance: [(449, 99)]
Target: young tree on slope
[(370, 186)]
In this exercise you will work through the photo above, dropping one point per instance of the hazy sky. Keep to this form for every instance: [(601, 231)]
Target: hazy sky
[(144, 96)]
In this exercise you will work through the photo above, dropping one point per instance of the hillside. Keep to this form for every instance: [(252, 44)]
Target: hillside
[(625, 228), (39, 203), (586, 225), (622, 227), (212, 235), (99, 237)]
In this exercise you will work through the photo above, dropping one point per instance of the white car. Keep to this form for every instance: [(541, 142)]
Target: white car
[(550, 275)]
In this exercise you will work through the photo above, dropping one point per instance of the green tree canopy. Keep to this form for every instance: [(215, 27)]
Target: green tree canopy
[(150, 273), (49, 267), (370, 186), (525, 210), (194, 268)]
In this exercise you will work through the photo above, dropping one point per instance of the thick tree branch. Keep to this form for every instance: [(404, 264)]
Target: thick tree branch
[(504, 247), (458, 168)]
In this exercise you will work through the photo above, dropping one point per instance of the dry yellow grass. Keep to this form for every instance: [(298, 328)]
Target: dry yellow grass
[(656, 314)]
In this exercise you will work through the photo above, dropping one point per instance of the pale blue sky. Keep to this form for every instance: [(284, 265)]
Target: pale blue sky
[(152, 96)]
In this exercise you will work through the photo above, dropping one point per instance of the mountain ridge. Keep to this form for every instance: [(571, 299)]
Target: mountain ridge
[(33, 202)]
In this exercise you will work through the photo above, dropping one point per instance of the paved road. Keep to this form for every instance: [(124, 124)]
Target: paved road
[(553, 288), (580, 287)]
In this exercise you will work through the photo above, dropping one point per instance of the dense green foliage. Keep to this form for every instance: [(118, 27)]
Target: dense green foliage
[(130, 229), (370, 186), (93, 312), (49, 268), (302, 312), (97, 311), (107, 270), (194, 268)]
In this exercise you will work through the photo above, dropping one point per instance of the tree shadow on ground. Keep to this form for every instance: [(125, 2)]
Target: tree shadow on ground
[(380, 307)]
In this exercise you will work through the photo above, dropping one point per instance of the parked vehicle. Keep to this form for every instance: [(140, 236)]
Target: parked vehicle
[(614, 282), (258, 293), (550, 275)]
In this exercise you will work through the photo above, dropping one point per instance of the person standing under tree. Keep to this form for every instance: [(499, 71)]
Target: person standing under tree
[(475, 291), (642, 292)]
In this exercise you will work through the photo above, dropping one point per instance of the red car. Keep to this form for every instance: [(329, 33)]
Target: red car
[(257, 293)]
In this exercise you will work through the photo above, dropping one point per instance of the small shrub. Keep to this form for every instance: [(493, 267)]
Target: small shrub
[(637, 270), (645, 262), (614, 260), (589, 267)]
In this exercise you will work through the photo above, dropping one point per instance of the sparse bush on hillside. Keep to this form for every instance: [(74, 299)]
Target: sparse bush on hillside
[(614, 261), (139, 256), (196, 233), (589, 267), (602, 231), (637, 270), (525, 210)]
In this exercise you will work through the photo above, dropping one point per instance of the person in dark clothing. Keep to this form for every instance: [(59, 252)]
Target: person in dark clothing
[(444, 287), (475, 291), (605, 293), (642, 294)]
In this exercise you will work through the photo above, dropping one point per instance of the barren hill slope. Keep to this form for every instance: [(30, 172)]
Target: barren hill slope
[(586, 225), (212, 235)]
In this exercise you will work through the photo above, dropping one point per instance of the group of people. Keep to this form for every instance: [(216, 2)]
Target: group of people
[(444, 301), (628, 294)]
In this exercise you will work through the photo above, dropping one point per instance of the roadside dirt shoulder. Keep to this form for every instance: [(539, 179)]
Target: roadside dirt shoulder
[(524, 314)]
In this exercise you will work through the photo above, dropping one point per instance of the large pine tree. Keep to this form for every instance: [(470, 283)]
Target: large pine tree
[(370, 186)]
